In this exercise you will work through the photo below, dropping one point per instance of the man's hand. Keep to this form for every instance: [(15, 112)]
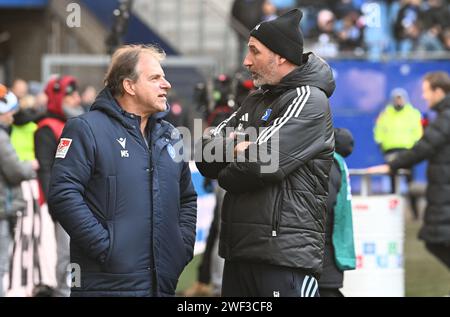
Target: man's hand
[(35, 165), (379, 169), (241, 147)]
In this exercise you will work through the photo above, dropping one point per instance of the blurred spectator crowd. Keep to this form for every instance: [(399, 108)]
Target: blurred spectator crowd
[(363, 27)]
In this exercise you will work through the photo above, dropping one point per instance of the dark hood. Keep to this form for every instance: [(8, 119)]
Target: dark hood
[(343, 140), (313, 72), (106, 103)]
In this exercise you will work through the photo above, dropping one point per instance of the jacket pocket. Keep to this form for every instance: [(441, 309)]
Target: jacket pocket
[(277, 213), (111, 197), (110, 227), (173, 254), (167, 285), (187, 255)]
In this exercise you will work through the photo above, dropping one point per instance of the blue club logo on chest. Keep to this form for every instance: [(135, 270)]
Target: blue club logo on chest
[(266, 115), (171, 151)]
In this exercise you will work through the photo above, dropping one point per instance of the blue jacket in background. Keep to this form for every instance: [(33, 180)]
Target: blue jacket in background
[(130, 211)]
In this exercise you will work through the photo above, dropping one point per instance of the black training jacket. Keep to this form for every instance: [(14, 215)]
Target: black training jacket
[(277, 215)]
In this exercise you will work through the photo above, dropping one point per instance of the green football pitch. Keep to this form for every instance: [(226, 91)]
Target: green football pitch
[(424, 274)]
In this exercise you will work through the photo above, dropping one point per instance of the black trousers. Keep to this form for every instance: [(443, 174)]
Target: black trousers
[(441, 251), (245, 279), (204, 269)]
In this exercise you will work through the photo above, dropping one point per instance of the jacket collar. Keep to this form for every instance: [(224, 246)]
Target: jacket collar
[(314, 72), (443, 104), (106, 103)]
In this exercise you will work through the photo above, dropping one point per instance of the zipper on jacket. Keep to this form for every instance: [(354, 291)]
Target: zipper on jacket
[(149, 144), (276, 215), (152, 218), (152, 239)]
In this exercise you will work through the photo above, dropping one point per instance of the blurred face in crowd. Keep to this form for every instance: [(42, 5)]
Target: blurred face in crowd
[(41, 100), (268, 8), (73, 100), (20, 88), (151, 88), (399, 101), (446, 37), (88, 96), (325, 21), (71, 105), (6, 119), (262, 63), (432, 96)]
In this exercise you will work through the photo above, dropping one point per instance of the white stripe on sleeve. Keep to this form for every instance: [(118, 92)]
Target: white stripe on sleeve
[(294, 110), (222, 125)]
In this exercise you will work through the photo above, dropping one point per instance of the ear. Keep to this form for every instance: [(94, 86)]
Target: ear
[(441, 92), (128, 86), (281, 60)]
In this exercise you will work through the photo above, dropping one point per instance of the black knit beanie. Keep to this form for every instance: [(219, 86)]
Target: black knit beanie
[(282, 35)]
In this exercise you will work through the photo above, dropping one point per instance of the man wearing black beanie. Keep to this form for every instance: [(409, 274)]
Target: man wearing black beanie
[(273, 220), (282, 36)]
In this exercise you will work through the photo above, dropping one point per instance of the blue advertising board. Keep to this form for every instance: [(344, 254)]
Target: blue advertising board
[(23, 3)]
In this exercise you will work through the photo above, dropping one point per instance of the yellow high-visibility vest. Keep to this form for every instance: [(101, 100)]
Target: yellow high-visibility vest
[(398, 129), (22, 139)]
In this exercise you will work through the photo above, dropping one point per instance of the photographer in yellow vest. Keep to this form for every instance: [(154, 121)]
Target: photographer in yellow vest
[(398, 128)]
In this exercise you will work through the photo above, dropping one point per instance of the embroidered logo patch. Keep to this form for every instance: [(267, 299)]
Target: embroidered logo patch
[(122, 142), (171, 151), (266, 115), (175, 135), (63, 148)]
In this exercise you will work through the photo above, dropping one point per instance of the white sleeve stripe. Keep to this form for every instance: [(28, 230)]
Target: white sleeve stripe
[(308, 93), (221, 125), (313, 293), (304, 98), (305, 281), (302, 101), (277, 120), (310, 284)]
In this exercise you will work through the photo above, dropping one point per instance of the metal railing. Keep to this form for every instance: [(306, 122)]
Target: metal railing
[(366, 179), (49, 61)]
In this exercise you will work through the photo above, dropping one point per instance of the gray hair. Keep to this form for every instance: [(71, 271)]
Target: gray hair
[(123, 65)]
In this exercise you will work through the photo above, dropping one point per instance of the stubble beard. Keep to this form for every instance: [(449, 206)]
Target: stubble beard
[(267, 74)]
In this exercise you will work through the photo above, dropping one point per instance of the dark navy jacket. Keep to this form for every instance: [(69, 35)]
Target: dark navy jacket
[(130, 211)]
